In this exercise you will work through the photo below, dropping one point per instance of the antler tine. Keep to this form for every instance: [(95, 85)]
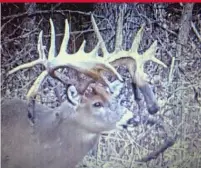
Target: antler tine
[(35, 87), (100, 39), (40, 47), (65, 38), (33, 63), (24, 66), (52, 52), (137, 40), (150, 54), (81, 49), (41, 60)]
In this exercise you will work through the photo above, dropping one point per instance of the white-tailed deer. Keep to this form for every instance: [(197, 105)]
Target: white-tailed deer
[(60, 137), (93, 65)]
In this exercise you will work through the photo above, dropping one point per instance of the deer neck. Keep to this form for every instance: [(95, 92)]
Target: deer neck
[(64, 136)]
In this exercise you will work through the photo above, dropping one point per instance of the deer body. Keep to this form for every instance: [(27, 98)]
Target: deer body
[(60, 137), (52, 142)]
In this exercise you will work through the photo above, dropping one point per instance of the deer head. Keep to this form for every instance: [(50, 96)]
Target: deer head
[(60, 137), (101, 108)]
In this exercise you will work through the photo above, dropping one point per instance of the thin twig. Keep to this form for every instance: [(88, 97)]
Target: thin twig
[(47, 36), (153, 155), (48, 12), (196, 31), (171, 70)]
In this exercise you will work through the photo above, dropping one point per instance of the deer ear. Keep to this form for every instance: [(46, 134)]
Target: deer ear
[(72, 95)]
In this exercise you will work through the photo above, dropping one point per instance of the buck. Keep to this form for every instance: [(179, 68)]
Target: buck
[(61, 137)]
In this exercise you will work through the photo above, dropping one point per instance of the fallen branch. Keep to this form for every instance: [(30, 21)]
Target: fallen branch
[(153, 155), (170, 140)]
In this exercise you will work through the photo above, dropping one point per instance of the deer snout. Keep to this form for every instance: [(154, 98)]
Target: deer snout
[(153, 109), (123, 123)]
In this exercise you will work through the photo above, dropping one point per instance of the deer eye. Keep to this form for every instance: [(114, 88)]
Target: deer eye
[(98, 104)]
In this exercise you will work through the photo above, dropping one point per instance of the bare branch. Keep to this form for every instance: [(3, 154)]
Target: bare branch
[(196, 31)]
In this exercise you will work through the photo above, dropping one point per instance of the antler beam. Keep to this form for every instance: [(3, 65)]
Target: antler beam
[(132, 59), (120, 54)]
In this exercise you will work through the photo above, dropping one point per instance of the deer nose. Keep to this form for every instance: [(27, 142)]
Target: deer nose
[(153, 109), (134, 121)]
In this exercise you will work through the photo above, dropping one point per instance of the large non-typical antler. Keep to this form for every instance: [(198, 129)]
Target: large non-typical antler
[(88, 63), (133, 60)]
